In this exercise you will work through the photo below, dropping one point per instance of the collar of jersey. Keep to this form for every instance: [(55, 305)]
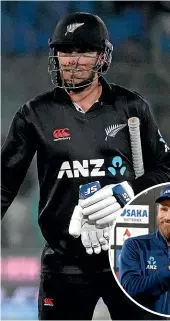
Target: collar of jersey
[(107, 98), (161, 239), (79, 108)]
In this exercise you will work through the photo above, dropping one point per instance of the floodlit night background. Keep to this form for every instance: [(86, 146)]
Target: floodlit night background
[(140, 33)]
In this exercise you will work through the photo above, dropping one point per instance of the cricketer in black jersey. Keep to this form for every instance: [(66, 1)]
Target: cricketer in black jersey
[(85, 152), (73, 149)]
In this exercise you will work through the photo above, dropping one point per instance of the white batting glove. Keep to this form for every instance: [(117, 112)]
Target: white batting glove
[(94, 240), (103, 207), (76, 222)]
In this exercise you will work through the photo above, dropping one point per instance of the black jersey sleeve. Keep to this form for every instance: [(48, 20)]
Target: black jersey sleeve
[(156, 153), (16, 156)]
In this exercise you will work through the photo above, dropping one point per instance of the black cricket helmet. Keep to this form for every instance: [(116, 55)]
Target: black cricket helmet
[(83, 32)]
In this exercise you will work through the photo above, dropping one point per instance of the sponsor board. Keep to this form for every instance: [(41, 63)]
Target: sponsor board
[(122, 233), (118, 253), (112, 237), (112, 250), (111, 257), (136, 214)]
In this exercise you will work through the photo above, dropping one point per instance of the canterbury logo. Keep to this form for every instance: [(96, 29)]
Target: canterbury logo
[(113, 130), (48, 302), (73, 27), (61, 134)]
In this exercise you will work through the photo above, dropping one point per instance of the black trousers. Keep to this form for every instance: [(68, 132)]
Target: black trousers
[(74, 297)]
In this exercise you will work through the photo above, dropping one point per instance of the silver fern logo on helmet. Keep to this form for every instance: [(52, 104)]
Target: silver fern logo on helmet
[(72, 27), (113, 130)]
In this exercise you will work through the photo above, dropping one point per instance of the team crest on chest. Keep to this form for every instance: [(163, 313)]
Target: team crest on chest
[(111, 131)]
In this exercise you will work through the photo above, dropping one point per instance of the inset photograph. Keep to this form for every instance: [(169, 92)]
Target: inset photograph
[(139, 250)]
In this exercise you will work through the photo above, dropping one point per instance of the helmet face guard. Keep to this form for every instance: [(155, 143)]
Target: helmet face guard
[(103, 61)]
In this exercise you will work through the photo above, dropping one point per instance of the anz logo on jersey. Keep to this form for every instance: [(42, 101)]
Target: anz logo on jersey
[(151, 264), (91, 167)]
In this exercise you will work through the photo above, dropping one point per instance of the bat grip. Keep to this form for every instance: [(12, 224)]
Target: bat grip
[(135, 140)]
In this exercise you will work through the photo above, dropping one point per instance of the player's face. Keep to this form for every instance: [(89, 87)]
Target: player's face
[(76, 66), (163, 218)]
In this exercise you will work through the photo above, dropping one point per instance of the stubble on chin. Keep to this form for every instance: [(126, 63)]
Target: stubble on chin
[(165, 229)]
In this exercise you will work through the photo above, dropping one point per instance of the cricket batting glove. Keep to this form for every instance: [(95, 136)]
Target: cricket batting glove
[(105, 205), (94, 240), (76, 221)]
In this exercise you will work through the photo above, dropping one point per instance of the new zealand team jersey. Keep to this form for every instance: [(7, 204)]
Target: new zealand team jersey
[(74, 149)]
